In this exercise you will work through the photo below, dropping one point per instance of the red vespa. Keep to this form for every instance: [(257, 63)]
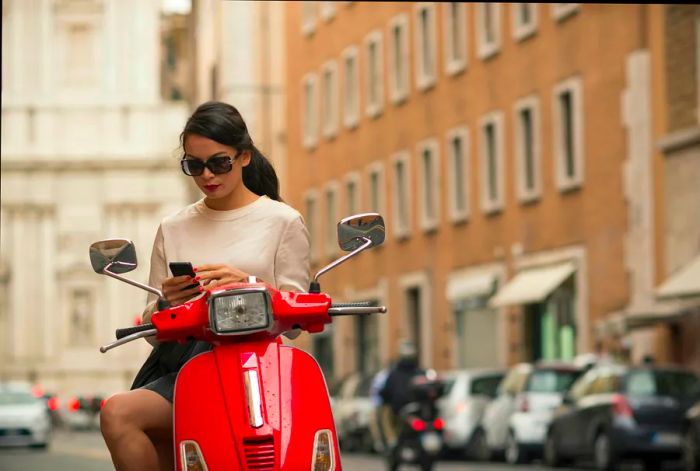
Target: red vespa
[(251, 403)]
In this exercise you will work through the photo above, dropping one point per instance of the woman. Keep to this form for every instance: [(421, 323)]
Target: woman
[(239, 228)]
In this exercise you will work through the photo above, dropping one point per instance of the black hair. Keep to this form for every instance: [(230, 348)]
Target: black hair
[(223, 123)]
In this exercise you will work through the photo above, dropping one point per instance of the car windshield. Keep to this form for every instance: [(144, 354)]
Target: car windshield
[(449, 383), (16, 397), (661, 383), (551, 381), (486, 385)]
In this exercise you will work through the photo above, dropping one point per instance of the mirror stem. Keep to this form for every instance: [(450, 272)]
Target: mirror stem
[(315, 287), (150, 289)]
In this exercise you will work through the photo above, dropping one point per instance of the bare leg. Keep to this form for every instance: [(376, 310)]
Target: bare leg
[(131, 424)]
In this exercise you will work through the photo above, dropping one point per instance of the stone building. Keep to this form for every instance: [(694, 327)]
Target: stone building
[(87, 154)]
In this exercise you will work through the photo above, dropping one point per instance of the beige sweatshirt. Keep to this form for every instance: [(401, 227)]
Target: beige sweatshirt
[(266, 238)]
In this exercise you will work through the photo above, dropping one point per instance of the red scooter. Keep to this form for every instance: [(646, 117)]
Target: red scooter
[(251, 403)]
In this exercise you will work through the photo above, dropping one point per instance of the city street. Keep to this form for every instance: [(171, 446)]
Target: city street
[(85, 451)]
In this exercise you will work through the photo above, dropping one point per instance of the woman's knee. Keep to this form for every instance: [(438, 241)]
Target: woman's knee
[(135, 410), (115, 416)]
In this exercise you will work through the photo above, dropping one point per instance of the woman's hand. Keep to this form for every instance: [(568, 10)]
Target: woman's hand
[(173, 289), (213, 275)]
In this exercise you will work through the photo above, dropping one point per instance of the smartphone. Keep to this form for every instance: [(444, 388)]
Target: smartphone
[(181, 269)]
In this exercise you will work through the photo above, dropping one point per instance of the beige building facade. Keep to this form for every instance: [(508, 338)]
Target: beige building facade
[(512, 151)]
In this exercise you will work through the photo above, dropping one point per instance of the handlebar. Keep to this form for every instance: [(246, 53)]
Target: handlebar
[(121, 333), (351, 309)]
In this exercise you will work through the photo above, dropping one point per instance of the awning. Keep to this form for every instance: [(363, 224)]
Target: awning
[(463, 286), (533, 285), (685, 282)]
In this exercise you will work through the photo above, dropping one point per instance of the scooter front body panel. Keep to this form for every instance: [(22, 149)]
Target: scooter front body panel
[(253, 405)]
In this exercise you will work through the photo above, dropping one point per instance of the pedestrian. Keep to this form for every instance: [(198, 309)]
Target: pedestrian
[(239, 228)]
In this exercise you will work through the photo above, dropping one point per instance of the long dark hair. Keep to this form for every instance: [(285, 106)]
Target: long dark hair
[(223, 123)]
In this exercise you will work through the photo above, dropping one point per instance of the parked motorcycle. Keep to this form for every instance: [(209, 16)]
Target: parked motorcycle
[(251, 403), (419, 432)]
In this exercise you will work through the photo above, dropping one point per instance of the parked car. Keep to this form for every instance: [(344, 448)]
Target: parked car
[(691, 438), (24, 418), (82, 412), (467, 393), (352, 409), (617, 411), (515, 423)]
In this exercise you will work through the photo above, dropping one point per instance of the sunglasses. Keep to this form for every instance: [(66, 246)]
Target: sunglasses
[(216, 165)]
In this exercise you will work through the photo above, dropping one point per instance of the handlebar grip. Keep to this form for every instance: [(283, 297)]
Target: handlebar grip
[(348, 310), (121, 333), (358, 304)]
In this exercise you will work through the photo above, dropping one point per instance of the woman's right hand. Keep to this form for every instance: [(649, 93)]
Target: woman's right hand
[(173, 289)]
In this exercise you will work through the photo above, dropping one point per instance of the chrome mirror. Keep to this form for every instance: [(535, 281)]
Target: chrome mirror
[(354, 231), (118, 255)]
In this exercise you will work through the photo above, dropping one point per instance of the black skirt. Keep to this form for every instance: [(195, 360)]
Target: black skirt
[(159, 372)]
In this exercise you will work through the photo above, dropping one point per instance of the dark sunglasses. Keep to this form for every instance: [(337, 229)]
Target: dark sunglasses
[(216, 165)]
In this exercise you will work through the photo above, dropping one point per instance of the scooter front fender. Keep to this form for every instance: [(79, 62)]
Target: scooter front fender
[(212, 407)]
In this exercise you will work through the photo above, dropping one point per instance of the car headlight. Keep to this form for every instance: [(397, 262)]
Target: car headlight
[(240, 311)]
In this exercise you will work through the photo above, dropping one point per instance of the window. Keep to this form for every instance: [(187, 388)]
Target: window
[(455, 37), (560, 11), (376, 187), (311, 219), (524, 17), (309, 119), (527, 148), (82, 307), (568, 134), (375, 77), (429, 181), (488, 26), (331, 238), (330, 99), (308, 17), (491, 151), (402, 194), (398, 44), (352, 194), (458, 162), (425, 46), (327, 10), (351, 89)]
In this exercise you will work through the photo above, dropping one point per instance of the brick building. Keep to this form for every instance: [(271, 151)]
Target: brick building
[(510, 148)]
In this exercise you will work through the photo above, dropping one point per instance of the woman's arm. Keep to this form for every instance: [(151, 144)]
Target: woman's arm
[(292, 258), (157, 275)]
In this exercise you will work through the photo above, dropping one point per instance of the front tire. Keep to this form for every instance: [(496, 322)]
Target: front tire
[(514, 453), (551, 452), (691, 460), (605, 459), (479, 447)]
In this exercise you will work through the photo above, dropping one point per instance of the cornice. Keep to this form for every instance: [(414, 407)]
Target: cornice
[(87, 165)]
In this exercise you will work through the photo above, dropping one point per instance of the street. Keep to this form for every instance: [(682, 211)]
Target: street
[(85, 451)]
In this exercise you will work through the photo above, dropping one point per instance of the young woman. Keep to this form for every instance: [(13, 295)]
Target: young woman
[(239, 228)]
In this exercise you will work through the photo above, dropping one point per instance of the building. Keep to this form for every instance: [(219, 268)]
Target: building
[(239, 58), (510, 148), (87, 154)]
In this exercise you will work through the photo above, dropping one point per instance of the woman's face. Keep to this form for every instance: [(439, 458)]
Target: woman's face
[(219, 186)]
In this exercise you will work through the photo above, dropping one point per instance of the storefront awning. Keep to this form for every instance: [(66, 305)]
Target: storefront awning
[(685, 282), (469, 286), (533, 285)]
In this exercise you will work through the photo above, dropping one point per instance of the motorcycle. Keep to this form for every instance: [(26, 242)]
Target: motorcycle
[(419, 431), (250, 403)]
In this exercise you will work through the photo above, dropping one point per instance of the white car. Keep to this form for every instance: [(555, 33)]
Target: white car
[(516, 422), (467, 393), (352, 412), (24, 418)]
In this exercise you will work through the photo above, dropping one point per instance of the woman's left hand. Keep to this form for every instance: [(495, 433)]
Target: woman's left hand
[(213, 275)]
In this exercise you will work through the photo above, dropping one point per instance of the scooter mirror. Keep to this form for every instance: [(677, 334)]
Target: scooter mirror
[(117, 254), (353, 231)]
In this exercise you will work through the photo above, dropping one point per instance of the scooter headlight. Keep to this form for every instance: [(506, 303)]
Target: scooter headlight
[(240, 311)]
